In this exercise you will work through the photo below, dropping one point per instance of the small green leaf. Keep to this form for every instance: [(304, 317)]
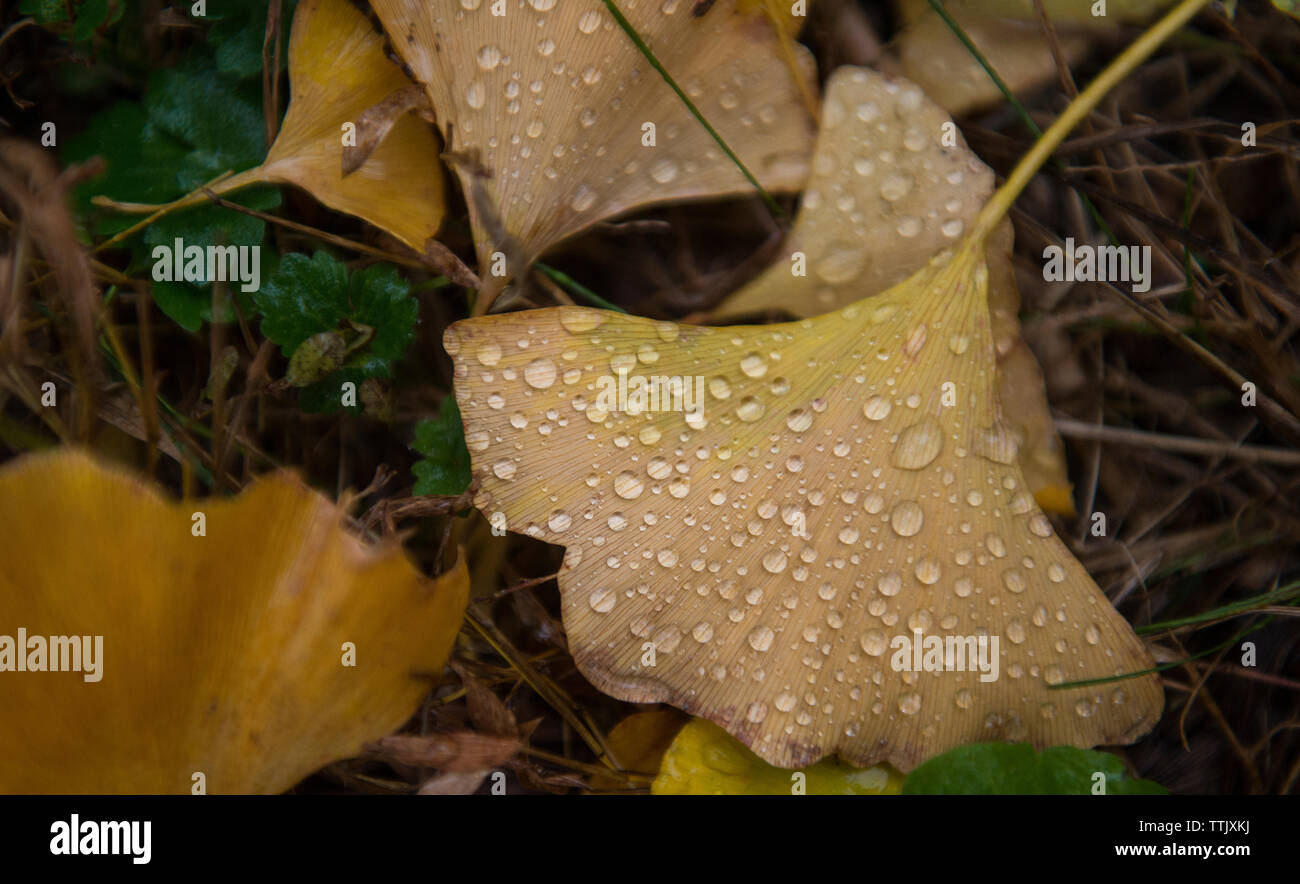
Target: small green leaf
[(89, 17), (445, 469), (1016, 769), (142, 161), (47, 12), (220, 118), (183, 303), (237, 31), (384, 303), (193, 124), (326, 397), (307, 297)]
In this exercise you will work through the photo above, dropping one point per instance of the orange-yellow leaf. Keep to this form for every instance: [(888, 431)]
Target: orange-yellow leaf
[(337, 71), (223, 654)]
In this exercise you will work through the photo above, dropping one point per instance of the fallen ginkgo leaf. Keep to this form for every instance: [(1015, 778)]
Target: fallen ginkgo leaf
[(884, 197), (706, 760), (767, 548), (338, 71), (558, 121), (779, 546), (240, 659)]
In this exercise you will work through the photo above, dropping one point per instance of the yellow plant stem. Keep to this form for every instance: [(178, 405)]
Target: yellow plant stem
[(1117, 70)]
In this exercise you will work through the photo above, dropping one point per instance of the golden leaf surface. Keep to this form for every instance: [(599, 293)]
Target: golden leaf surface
[(337, 71), (752, 560), (222, 654), (893, 183), (548, 105)]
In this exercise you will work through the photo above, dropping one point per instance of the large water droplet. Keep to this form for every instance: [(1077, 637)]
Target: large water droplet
[(873, 642), (896, 186), (628, 485), (488, 57), (750, 409), (602, 600), (906, 518), (476, 94), (877, 408), (540, 373), (583, 198), (841, 263), (760, 639), (579, 319), (753, 365), (918, 445), (774, 562), (889, 583), (664, 170)]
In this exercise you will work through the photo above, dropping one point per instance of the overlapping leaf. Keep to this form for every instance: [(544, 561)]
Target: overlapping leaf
[(893, 183), (337, 71), (547, 109)]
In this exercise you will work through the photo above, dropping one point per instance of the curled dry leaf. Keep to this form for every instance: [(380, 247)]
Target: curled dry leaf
[(893, 183), (1010, 37), (706, 760), (338, 74), (551, 109), (221, 654), (754, 556)]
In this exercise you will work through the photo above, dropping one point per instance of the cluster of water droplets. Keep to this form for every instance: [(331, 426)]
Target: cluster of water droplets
[(824, 503), (886, 174), (557, 102)]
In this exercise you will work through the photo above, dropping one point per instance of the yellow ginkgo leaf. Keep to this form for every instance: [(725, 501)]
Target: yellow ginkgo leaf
[(814, 534), (893, 183), (754, 557), (1008, 34), (705, 760), (556, 121), (337, 71), (234, 645), (1022, 393)]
